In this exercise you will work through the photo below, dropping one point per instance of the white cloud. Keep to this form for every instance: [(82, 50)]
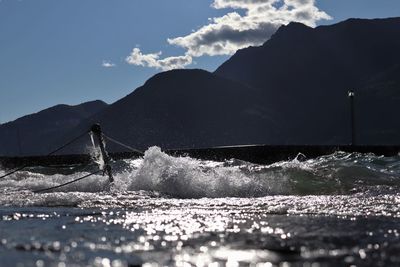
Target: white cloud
[(226, 34), (108, 64), (153, 60)]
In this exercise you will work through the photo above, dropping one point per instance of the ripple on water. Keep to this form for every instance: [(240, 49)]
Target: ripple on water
[(341, 209)]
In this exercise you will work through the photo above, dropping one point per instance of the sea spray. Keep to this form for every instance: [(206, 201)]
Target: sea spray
[(339, 173), (34, 181), (95, 152), (185, 177), (190, 178)]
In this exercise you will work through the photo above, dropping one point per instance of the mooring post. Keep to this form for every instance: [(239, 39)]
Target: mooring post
[(351, 95), (96, 130)]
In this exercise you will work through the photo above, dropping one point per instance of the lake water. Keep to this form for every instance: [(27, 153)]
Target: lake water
[(337, 210)]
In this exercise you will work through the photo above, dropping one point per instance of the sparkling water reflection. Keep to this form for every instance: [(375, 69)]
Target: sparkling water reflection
[(202, 232), (338, 210)]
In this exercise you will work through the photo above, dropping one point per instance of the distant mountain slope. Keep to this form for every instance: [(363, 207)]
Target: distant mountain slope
[(34, 134), (187, 108), (291, 90), (309, 71)]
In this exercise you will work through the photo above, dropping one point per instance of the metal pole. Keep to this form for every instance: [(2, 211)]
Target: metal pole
[(96, 130), (351, 95)]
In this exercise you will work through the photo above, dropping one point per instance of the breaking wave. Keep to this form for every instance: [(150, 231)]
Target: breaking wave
[(185, 177)]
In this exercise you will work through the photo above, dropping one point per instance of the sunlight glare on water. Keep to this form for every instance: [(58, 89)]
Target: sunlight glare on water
[(341, 209)]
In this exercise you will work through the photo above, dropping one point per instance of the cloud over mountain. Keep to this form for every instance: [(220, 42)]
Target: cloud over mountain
[(153, 60), (250, 23)]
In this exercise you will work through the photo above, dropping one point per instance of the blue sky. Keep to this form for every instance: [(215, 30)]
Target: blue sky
[(72, 51)]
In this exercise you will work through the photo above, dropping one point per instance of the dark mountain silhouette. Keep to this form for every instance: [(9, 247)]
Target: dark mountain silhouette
[(304, 75), (291, 90), (34, 134), (184, 109)]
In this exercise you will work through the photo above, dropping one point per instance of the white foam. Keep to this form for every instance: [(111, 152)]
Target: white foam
[(185, 177), (95, 152), (190, 178), (33, 181)]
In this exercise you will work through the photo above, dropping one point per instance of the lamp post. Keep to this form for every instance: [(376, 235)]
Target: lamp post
[(351, 95)]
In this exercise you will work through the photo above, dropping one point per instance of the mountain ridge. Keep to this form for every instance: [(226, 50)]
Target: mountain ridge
[(33, 133), (291, 90), (183, 109), (312, 71)]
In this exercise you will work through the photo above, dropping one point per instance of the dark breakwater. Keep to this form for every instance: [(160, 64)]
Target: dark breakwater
[(259, 154)]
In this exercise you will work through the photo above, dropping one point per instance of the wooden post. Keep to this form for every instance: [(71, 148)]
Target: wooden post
[(96, 130)]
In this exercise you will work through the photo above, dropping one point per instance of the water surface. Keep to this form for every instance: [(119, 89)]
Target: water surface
[(337, 210)]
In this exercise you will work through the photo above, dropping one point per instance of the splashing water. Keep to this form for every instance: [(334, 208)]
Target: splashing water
[(185, 177), (179, 211), (95, 152), (189, 178), (340, 176)]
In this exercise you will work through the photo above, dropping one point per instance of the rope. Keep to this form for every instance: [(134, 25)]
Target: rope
[(70, 182), (62, 147), (67, 144), (123, 145), (14, 171), (51, 153)]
